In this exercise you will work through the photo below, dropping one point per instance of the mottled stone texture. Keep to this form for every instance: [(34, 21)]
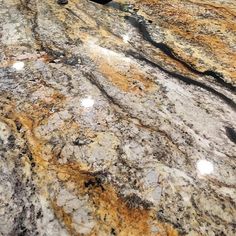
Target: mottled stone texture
[(117, 119)]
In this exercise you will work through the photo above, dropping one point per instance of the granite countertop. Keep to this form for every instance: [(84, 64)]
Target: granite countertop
[(118, 119)]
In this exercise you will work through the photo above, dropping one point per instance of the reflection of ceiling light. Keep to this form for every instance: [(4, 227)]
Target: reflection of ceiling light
[(126, 38), (205, 167), (87, 102), (18, 65)]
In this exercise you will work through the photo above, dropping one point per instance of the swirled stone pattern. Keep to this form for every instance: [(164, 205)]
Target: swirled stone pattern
[(118, 119)]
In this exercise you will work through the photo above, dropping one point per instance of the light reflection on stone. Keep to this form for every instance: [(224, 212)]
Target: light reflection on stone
[(87, 102), (126, 38), (18, 65), (205, 167)]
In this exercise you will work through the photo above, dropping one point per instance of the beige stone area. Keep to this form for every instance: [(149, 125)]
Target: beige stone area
[(117, 119)]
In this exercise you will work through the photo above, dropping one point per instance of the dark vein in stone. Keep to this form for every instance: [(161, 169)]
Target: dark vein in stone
[(74, 14), (231, 134), (93, 81), (185, 79), (140, 25)]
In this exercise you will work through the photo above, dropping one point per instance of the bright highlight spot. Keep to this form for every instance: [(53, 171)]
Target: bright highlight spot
[(126, 38), (205, 167), (18, 65), (87, 102)]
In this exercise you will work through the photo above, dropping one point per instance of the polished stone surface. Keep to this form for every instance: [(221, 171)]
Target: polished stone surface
[(118, 119)]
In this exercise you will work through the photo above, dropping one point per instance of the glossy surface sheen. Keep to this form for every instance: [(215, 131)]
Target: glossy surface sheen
[(117, 119)]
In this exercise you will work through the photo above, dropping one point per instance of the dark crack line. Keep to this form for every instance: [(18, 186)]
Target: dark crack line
[(140, 25), (185, 79), (231, 134), (74, 14), (92, 79)]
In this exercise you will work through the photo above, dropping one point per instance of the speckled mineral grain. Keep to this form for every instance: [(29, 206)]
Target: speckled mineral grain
[(118, 119)]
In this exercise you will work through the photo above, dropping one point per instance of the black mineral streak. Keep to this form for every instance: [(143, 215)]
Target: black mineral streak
[(231, 134)]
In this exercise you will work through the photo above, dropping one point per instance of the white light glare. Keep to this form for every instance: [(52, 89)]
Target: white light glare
[(205, 167), (126, 38), (87, 102), (18, 65)]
